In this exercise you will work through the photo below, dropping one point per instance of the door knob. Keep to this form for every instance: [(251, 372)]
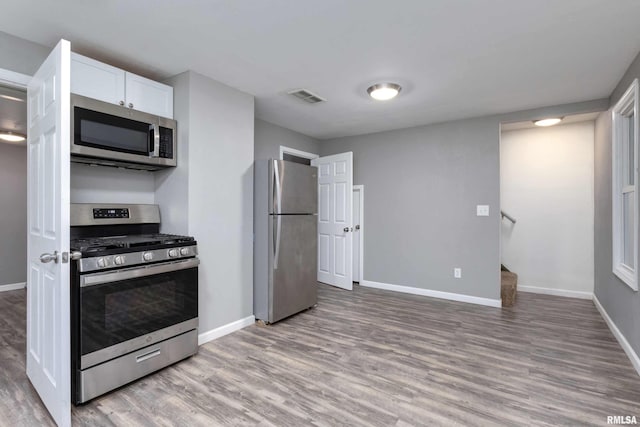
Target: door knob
[(45, 258), (130, 105), (358, 227), (347, 229), (121, 103)]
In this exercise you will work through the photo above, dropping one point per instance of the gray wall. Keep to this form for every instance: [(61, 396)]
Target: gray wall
[(620, 302), (102, 184), (20, 55), (210, 194), (422, 186), (13, 214), (269, 138)]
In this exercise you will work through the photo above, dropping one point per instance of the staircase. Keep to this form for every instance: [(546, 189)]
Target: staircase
[(508, 280), (508, 286)]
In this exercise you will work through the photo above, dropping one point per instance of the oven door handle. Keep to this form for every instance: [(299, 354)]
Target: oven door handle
[(135, 272)]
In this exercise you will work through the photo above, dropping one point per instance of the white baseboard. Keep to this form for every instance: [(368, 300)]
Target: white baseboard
[(12, 287), (216, 333), (631, 354), (435, 294), (556, 292)]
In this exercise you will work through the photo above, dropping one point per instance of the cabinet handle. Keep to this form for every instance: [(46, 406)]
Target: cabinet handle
[(121, 103), (130, 105)]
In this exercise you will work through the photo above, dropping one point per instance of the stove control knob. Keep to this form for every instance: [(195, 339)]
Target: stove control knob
[(102, 263), (184, 251), (174, 253), (118, 260), (147, 256)]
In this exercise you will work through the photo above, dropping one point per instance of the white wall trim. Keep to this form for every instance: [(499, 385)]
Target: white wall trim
[(633, 356), (434, 294), (12, 286), (298, 153), (556, 292), (13, 79), (216, 333), (360, 221)]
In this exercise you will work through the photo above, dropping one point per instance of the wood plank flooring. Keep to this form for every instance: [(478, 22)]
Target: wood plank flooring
[(368, 358)]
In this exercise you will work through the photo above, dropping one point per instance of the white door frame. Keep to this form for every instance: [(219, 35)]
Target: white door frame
[(13, 79), (298, 153), (360, 221)]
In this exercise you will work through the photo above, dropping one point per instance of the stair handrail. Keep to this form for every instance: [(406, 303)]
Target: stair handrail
[(506, 215)]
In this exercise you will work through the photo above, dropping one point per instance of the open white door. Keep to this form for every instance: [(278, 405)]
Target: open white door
[(335, 212), (48, 315)]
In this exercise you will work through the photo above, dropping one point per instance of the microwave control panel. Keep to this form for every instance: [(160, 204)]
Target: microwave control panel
[(166, 143)]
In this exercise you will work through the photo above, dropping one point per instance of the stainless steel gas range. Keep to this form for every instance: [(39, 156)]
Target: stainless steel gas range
[(134, 296)]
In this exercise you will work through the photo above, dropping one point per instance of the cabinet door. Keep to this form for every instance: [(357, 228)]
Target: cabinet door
[(149, 96), (96, 80)]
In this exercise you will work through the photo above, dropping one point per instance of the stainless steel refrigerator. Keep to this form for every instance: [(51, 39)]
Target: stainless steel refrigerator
[(286, 234)]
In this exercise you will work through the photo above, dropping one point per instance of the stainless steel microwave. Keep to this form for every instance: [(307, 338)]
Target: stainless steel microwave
[(113, 135)]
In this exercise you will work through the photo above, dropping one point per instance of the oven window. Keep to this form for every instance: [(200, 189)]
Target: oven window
[(100, 130), (115, 312)]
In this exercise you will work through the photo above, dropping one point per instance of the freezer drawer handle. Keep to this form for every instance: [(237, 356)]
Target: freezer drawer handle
[(148, 355)]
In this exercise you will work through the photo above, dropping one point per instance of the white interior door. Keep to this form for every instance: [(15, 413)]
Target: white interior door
[(48, 329), (357, 214), (335, 212)]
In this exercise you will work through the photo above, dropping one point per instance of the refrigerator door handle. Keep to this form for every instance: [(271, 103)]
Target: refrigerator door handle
[(278, 189), (276, 254)]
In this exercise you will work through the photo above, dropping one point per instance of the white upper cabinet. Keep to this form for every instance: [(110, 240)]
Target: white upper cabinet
[(97, 80), (149, 96)]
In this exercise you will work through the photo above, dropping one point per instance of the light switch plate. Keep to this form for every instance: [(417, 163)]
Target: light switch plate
[(457, 273), (482, 210)]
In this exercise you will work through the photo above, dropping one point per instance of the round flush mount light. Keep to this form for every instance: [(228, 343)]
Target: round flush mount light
[(11, 137), (384, 91), (547, 122)]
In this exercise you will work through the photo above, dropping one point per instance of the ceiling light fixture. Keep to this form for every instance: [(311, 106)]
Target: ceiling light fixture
[(384, 91), (548, 122), (12, 137), (11, 98)]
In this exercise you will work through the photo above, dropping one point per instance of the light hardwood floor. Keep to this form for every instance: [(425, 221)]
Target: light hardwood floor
[(368, 357)]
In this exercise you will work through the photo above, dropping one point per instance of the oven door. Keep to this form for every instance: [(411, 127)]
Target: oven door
[(123, 310)]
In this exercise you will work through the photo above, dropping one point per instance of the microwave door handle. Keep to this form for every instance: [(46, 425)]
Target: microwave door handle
[(156, 140)]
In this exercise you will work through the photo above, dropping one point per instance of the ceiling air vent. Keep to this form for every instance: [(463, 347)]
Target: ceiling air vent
[(306, 96)]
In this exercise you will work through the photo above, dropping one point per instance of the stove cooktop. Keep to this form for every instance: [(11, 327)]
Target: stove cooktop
[(138, 242)]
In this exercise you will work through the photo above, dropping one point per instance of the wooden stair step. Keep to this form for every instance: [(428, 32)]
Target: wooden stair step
[(508, 288)]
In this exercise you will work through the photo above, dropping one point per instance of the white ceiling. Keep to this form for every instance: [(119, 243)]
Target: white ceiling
[(454, 58)]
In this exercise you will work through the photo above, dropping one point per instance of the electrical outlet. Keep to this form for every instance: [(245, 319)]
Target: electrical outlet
[(482, 210), (457, 273)]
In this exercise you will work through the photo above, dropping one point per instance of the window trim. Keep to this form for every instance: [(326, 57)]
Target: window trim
[(629, 102)]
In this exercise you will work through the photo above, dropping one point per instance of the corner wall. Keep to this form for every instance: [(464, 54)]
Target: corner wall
[(209, 195), (13, 217), (620, 301)]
